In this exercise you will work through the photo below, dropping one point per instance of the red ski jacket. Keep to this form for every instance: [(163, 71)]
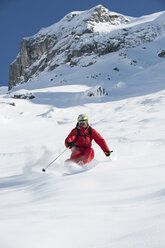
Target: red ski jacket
[(85, 139)]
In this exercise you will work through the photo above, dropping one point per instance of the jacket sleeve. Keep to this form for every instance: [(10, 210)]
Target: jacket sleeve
[(99, 140), (71, 137)]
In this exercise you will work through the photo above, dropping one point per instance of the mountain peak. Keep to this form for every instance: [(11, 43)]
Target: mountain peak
[(82, 20)]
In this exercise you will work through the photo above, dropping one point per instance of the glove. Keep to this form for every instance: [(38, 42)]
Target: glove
[(107, 153), (71, 144)]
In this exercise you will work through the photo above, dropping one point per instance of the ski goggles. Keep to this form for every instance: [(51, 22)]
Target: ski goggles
[(83, 122)]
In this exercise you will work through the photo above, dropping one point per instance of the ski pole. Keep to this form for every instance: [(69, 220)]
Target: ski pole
[(44, 169)]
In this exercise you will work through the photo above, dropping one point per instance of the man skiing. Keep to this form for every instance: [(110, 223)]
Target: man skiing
[(80, 141)]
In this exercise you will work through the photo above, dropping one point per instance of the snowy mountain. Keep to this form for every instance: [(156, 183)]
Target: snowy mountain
[(117, 202), (79, 39)]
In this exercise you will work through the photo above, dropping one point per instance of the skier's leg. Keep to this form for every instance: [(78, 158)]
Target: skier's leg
[(76, 155), (88, 155), (83, 155)]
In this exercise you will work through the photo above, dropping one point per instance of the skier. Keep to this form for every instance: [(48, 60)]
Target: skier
[(80, 141)]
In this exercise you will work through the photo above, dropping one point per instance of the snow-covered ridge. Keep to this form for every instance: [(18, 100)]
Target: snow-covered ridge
[(87, 34), (78, 21)]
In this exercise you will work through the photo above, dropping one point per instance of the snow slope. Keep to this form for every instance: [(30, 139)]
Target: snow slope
[(119, 203)]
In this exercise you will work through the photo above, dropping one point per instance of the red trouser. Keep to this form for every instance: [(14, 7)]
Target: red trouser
[(81, 154)]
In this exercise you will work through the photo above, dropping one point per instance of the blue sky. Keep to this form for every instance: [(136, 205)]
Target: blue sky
[(23, 18)]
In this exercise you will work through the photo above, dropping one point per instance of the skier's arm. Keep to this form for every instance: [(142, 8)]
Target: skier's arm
[(71, 138), (100, 141)]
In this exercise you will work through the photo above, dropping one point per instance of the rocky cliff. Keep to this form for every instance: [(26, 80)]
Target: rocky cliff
[(92, 33)]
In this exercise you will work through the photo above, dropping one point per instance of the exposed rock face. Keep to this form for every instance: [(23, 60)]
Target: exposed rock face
[(93, 32), (30, 52), (96, 91), (22, 94), (161, 54)]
